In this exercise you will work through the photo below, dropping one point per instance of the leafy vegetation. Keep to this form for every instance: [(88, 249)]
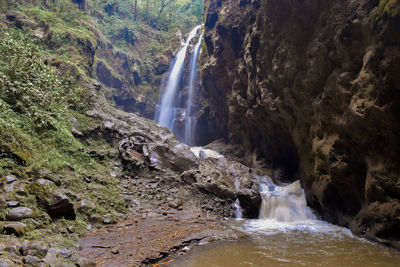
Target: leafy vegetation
[(387, 9), (34, 106)]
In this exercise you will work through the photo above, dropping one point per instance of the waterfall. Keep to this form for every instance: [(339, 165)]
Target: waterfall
[(189, 124), (239, 213), (166, 113), (284, 203)]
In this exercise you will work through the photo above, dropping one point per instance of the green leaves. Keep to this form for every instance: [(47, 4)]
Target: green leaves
[(27, 84)]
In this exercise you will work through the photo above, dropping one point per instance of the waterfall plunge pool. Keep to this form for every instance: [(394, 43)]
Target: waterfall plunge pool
[(311, 244), (288, 234)]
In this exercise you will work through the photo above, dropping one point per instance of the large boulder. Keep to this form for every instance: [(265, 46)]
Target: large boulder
[(55, 201), (250, 201)]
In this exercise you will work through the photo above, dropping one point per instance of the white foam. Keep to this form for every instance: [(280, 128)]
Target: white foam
[(201, 152)]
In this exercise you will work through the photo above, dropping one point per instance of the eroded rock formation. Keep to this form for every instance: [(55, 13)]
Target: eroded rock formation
[(313, 87)]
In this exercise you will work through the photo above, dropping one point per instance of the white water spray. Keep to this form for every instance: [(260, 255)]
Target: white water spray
[(166, 114)]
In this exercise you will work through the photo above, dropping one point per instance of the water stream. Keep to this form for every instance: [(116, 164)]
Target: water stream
[(166, 112), (191, 120), (288, 234)]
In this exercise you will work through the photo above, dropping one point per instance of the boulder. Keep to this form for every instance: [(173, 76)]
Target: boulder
[(250, 201), (20, 213), (31, 260), (10, 179), (84, 206), (16, 228), (34, 248), (55, 201), (60, 206)]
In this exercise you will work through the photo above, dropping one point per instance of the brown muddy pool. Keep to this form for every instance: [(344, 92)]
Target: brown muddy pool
[(315, 244)]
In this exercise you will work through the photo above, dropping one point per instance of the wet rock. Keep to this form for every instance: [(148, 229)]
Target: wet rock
[(250, 201), (20, 213), (16, 228), (34, 248), (31, 260), (84, 206)]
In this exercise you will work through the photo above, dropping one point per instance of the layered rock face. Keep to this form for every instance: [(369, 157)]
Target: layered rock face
[(313, 87)]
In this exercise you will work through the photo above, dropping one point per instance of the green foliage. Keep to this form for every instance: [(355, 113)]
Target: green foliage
[(387, 9), (34, 110), (27, 84)]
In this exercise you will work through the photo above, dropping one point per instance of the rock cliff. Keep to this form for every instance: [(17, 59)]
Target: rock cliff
[(313, 87)]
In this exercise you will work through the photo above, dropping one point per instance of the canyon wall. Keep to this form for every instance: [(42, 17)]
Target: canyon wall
[(313, 87)]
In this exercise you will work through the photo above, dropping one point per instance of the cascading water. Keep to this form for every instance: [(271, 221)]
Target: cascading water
[(239, 213), (283, 207), (284, 203), (166, 113), (190, 121)]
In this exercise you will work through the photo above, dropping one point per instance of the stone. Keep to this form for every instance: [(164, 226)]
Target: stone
[(250, 201), (56, 202), (107, 221), (10, 187), (82, 262), (65, 253), (115, 251), (12, 204), (7, 263), (164, 212), (84, 206), (34, 248), (16, 228), (45, 183), (52, 260), (20, 213), (10, 179), (189, 176), (31, 260)]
